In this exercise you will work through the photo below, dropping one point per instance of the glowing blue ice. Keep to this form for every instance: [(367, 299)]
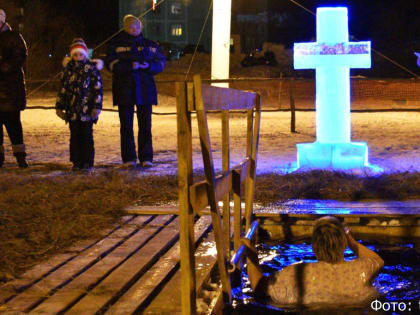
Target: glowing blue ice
[(332, 55)]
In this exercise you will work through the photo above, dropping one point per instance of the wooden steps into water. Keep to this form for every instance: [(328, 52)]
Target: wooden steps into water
[(134, 268)]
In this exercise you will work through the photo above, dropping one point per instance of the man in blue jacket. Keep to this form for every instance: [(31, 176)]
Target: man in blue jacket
[(134, 61)]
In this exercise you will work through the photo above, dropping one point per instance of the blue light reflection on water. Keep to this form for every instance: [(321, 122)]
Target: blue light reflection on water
[(399, 280)]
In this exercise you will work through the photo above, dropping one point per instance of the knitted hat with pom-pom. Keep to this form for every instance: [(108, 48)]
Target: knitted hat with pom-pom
[(79, 45)]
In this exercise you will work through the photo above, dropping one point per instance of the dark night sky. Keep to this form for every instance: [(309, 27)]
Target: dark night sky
[(392, 26), (386, 21), (383, 21), (99, 17)]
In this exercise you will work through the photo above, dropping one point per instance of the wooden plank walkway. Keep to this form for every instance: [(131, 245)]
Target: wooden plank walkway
[(133, 269)]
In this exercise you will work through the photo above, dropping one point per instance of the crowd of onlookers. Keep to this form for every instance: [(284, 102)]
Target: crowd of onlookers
[(133, 61)]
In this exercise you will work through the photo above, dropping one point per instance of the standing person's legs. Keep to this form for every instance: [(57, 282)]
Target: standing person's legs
[(144, 117), (128, 146), (76, 154), (15, 132), (87, 144)]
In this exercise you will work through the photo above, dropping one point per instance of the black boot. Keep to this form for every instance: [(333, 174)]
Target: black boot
[(1, 155), (20, 154), (21, 160)]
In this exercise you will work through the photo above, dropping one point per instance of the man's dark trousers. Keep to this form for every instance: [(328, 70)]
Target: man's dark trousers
[(82, 150), (128, 146), (11, 120)]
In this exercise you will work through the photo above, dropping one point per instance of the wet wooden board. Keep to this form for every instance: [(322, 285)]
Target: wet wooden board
[(169, 299), (342, 208), (130, 270), (38, 272), (29, 298), (79, 286), (158, 210), (144, 210), (122, 272), (144, 289), (310, 208)]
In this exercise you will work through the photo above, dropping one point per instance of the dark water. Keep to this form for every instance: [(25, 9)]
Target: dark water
[(398, 281)]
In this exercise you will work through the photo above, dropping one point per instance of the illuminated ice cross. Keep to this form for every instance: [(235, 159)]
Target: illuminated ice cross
[(332, 55)]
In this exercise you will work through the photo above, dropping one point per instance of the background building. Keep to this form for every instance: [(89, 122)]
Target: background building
[(177, 22), (180, 22)]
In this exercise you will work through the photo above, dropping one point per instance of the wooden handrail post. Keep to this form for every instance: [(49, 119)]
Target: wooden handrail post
[(249, 152), (252, 171), (193, 197), (292, 105), (225, 168), (237, 207), (209, 174), (186, 215)]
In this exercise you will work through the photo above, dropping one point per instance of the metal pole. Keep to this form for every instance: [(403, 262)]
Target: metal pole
[(292, 106), (238, 255)]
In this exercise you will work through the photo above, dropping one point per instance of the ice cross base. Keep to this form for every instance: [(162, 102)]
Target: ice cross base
[(343, 156), (332, 55)]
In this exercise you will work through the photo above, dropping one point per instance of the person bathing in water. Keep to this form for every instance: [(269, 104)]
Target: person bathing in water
[(329, 281)]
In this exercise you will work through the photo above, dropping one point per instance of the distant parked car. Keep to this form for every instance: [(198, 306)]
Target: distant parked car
[(171, 51), (269, 59), (175, 53), (189, 49)]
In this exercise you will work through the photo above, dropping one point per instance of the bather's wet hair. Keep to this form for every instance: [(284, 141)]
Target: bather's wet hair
[(329, 240)]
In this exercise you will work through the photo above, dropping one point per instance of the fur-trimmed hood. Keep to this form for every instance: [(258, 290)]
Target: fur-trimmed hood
[(98, 62)]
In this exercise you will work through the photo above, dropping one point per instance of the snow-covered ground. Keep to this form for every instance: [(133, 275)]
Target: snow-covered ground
[(393, 138)]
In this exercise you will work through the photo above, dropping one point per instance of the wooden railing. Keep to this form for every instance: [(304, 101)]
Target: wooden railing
[(194, 197)]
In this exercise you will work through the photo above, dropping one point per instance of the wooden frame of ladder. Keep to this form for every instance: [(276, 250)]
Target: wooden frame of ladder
[(194, 197)]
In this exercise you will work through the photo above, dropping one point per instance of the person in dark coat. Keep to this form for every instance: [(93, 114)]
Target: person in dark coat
[(79, 102), (13, 53), (134, 61)]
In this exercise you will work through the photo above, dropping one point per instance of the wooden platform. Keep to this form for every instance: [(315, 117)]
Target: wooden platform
[(388, 220), (134, 268)]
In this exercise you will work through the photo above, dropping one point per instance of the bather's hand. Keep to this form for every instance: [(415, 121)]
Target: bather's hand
[(360, 250), (350, 240)]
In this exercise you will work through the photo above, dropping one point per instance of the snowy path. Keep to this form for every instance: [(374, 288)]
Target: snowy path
[(393, 138)]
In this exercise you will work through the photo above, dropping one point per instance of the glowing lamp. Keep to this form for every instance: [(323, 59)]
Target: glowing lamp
[(332, 56), (220, 51)]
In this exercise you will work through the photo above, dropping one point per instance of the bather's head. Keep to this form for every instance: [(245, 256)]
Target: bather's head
[(329, 240)]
